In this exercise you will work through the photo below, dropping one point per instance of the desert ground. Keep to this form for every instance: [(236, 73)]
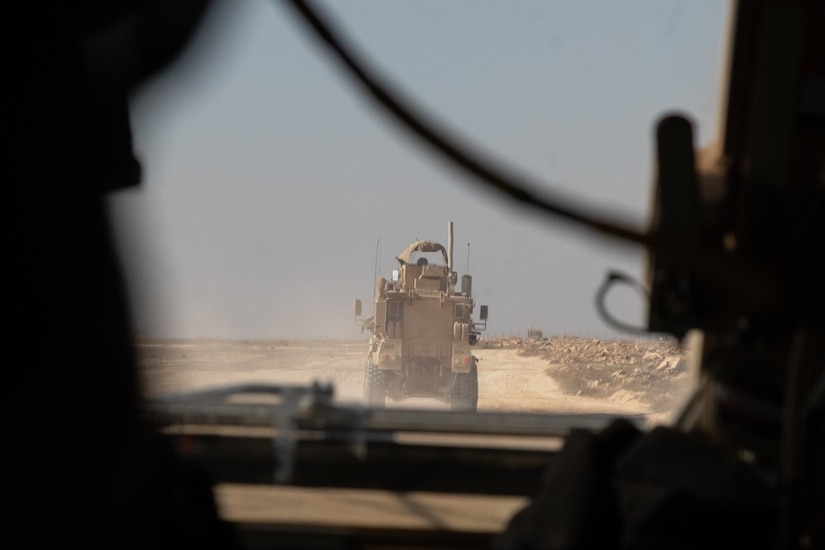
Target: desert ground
[(562, 374)]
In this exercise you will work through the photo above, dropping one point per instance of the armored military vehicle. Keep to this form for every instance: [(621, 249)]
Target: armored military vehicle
[(423, 331)]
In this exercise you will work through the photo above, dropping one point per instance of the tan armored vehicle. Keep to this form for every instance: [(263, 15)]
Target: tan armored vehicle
[(423, 331)]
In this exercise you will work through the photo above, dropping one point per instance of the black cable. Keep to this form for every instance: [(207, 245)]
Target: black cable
[(518, 189), (612, 278)]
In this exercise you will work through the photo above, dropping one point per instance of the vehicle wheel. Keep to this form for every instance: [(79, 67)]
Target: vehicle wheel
[(375, 386), (464, 396)]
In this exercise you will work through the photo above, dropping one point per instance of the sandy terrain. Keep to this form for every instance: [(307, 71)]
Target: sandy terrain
[(562, 374)]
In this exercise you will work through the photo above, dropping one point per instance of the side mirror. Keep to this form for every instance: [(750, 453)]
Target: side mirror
[(483, 313), (357, 308)]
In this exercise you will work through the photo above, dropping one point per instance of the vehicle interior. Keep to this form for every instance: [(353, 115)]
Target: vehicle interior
[(734, 252)]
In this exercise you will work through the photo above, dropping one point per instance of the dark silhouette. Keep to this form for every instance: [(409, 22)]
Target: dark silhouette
[(85, 472)]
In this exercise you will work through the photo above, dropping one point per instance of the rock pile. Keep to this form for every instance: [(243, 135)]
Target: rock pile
[(652, 371)]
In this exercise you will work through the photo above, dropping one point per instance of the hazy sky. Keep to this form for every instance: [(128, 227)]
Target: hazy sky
[(271, 183)]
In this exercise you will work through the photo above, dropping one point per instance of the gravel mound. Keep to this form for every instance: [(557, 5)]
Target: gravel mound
[(652, 371)]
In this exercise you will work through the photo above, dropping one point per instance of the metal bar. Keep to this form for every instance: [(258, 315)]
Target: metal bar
[(385, 465)]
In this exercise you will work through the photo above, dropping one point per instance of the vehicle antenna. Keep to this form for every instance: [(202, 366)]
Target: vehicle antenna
[(377, 267), (468, 259)]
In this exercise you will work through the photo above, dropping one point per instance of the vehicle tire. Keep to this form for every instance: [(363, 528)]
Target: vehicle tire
[(464, 396), (375, 386)]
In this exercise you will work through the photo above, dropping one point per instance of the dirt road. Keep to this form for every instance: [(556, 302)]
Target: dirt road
[(508, 379)]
